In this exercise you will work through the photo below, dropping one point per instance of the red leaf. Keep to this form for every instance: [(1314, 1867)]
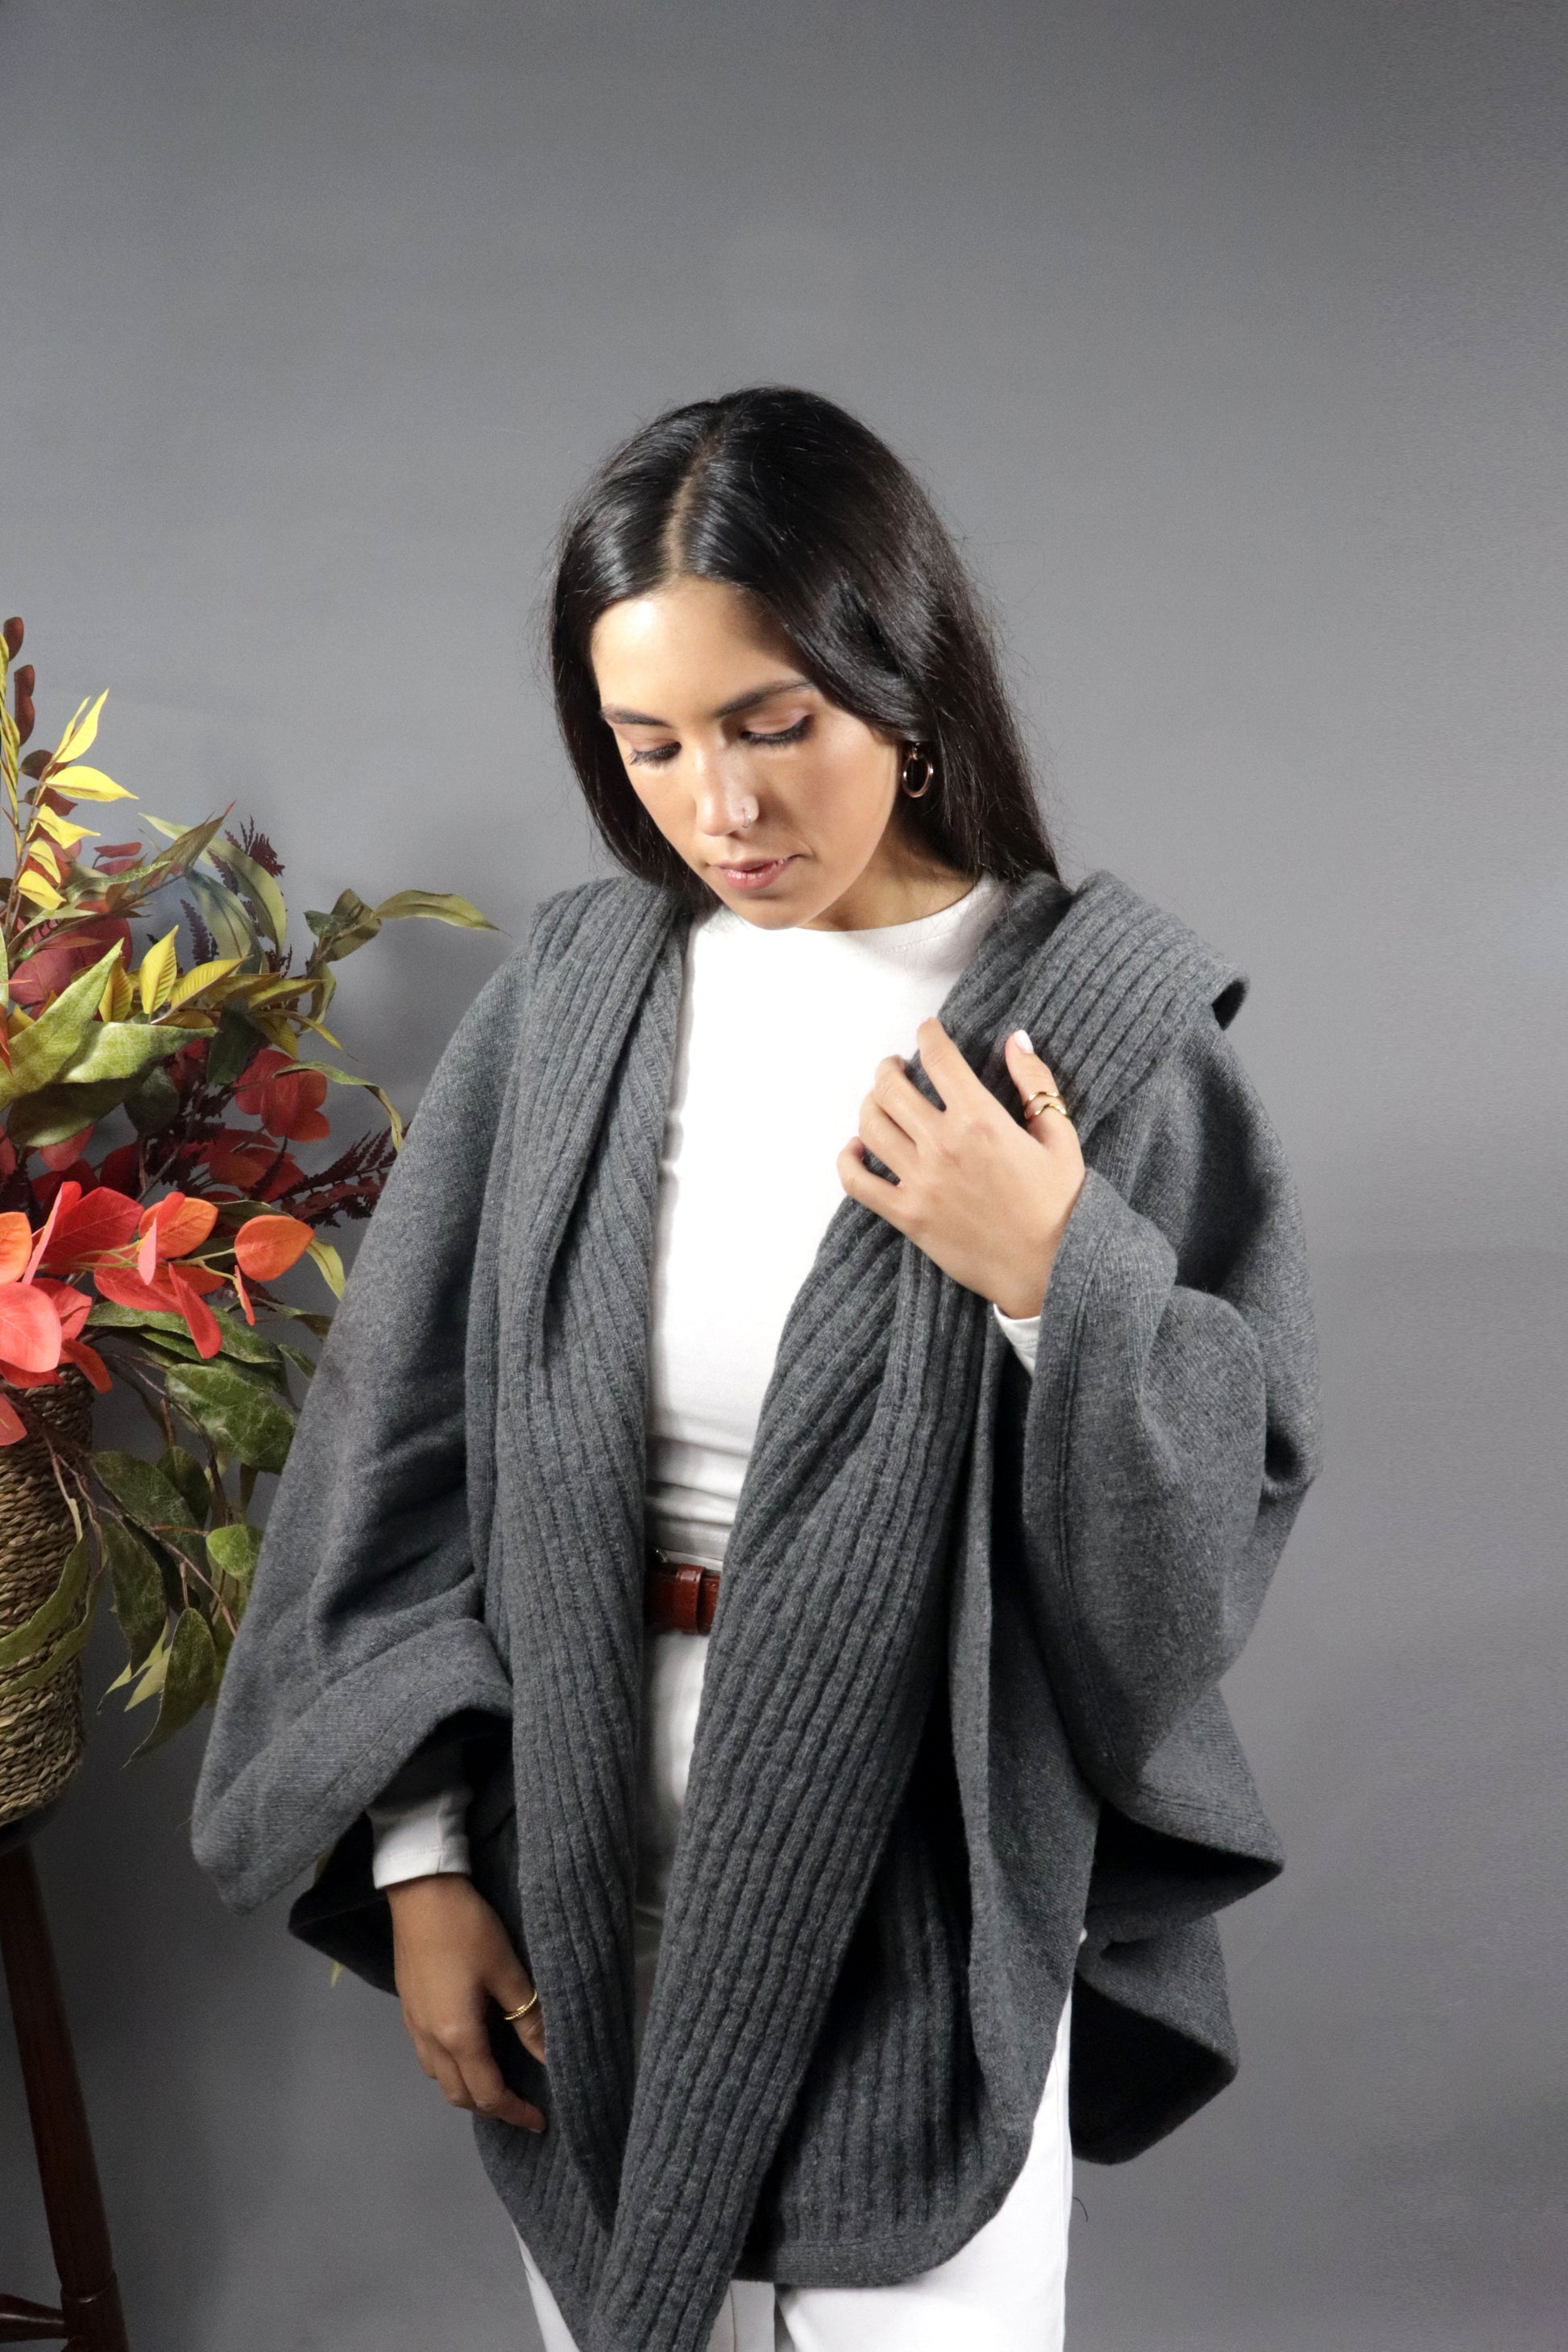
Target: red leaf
[(66, 953), (87, 1360), (59, 1156), (265, 1247), (105, 1220), (237, 1157), (29, 1328), (73, 1307), (81, 1172), (287, 1102), (44, 1235), (121, 1167), (127, 1290), (200, 1321), (250, 1094), (12, 1428)]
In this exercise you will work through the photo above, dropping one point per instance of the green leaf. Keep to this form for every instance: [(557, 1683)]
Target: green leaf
[(230, 1048), (43, 1049), (349, 924), (56, 1112), (146, 1495), (224, 915), (57, 1662), (50, 1615), (259, 886), (140, 1602), (347, 1078), (190, 1678), (235, 1410), (168, 1329), (153, 1102), (233, 1550), (122, 1049), (172, 863), (439, 906), (183, 1472)]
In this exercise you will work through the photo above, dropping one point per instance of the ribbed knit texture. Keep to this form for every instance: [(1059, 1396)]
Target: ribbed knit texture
[(960, 1695)]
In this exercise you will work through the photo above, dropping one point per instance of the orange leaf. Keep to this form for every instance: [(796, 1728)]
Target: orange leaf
[(180, 1223), (265, 1247), (12, 1428), (15, 1245)]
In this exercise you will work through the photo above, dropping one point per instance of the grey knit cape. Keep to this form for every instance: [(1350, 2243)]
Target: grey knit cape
[(961, 1689)]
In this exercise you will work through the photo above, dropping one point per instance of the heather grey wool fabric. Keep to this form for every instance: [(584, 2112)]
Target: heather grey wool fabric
[(961, 1689)]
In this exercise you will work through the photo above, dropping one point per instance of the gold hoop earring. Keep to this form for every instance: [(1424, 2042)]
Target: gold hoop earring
[(909, 790)]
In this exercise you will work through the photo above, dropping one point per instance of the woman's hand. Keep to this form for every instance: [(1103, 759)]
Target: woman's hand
[(450, 1953), (987, 1199)]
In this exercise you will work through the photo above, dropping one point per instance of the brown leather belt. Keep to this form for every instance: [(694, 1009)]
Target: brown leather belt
[(678, 1597)]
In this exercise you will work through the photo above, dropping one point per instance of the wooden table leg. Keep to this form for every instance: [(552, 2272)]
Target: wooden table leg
[(90, 2317)]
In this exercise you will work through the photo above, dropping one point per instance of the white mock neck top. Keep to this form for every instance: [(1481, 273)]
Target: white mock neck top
[(780, 1036)]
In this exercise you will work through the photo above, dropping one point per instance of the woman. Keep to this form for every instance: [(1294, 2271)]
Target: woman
[(791, 1467)]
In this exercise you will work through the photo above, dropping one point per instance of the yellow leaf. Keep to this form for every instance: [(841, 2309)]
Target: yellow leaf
[(89, 784), (48, 861), (200, 976), (81, 735), (331, 1264), (60, 828), (33, 885), (159, 966), (117, 994)]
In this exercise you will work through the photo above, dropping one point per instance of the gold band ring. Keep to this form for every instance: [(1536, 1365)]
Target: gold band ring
[(511, 2016), (1043, 1101)]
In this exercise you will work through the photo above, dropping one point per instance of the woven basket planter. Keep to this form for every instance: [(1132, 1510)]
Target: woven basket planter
[(41, 1730)]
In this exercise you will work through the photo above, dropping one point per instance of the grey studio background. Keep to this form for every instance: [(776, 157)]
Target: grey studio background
[(1232, 339)]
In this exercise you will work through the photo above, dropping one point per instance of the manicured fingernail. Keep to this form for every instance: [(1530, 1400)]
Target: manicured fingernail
[(1022, 1039)]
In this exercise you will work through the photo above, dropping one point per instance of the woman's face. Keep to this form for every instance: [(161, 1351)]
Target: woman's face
[(784, 804)]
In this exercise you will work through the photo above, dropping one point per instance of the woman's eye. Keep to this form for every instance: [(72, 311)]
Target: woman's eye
[(784, 735), (657, 755)]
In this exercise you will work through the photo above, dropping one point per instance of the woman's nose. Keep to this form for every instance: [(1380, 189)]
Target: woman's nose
[(724, 802)]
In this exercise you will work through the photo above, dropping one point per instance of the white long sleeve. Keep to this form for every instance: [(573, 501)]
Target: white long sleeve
[(420, 1837)]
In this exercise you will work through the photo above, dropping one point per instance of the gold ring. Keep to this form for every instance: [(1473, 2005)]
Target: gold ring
[(511, 2016), (1044, 1100)]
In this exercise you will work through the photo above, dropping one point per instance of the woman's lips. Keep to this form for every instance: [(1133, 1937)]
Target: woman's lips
[(756, 873)]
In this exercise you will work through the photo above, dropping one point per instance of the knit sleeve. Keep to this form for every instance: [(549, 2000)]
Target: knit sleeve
[(366, 1624), (1171, 1425)]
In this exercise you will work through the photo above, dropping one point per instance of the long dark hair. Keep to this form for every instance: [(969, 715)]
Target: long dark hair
[(783, 494)]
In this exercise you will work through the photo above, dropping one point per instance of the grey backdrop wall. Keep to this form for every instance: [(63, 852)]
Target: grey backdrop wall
[(1232, 339)]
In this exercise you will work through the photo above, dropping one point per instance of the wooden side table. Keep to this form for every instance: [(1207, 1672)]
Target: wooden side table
[(88, 2317)]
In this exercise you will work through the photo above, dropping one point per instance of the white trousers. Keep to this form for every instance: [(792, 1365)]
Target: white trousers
[(1002, 2291)]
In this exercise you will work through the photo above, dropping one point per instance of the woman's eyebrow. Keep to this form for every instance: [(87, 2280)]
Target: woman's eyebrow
[(618, 717)]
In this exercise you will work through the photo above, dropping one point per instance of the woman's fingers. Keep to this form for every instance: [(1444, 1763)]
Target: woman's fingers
[(948, 1071), (893, 1146), (461, 2059), (513, 1988), (903, 1102), (872, 1191), (1033, 1080), (489, 2092)]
